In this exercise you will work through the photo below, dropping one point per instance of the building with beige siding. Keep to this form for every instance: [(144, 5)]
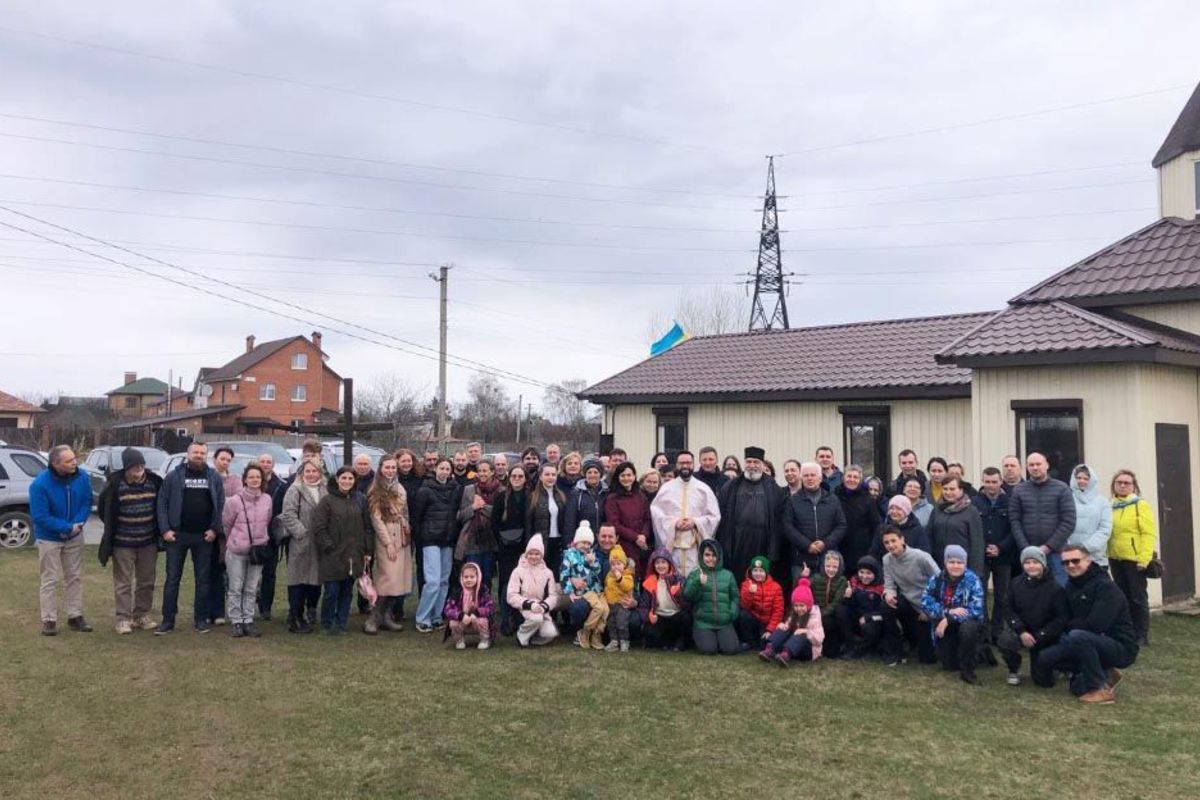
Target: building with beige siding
[(1098, 363)]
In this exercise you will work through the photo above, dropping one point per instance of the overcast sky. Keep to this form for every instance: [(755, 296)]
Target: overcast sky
[(580, 163)]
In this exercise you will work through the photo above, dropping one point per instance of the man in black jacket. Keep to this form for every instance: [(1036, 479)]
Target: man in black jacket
[(751, 505), (270, 487), (992, 505), (129, 509), (1041, 511), (710, 472), (1099, 641), (813, 521), (908, 471), (1034, 615)]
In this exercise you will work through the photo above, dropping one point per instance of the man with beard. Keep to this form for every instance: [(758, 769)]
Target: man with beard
[(684, 513), (750, 515)]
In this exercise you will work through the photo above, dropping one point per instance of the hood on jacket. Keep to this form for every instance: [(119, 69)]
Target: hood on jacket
[(1088, 495), (478, 576), (871, 563), (715, 546), (665, 555)]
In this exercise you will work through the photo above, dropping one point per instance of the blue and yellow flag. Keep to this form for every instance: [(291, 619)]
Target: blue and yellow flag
[(673, 337)]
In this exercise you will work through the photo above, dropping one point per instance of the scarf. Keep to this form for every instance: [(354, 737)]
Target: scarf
[(312, 491), (958, 505), (1132, 500)]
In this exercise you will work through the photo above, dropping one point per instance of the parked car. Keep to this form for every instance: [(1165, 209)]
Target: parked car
[(284, 463), (18, 467), (103, 460)]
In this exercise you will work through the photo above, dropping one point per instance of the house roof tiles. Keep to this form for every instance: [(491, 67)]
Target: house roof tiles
[(1184, 135), (1162, 257), (13, 404), (144, 386), (803, 361)]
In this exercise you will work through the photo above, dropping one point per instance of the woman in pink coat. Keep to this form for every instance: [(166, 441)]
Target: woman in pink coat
[(533, 591), (247, 522)]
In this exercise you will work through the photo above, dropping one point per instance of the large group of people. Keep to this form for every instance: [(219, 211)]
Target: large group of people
[(692, 553)]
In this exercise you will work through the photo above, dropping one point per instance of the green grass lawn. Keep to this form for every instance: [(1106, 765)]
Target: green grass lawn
[(400, 715)]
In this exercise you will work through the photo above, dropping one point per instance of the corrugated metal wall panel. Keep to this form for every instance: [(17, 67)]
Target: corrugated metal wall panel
[(1185, 316), (1177, 188)]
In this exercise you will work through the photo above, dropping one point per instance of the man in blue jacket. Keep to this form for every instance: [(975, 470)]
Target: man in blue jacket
[(992, 504), (60, 501), (189, 515)]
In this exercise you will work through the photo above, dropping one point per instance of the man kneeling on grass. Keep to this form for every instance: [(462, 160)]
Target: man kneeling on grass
[(1034, 615), (1099, 641)]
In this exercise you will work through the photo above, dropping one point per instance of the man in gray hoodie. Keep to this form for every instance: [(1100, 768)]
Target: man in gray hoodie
[(1042, 513), (906, 573)]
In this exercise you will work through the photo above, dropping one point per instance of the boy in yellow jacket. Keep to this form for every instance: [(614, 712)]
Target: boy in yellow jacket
[(618, 586)]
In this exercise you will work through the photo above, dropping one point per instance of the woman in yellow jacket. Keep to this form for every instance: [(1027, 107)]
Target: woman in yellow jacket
[(1133, 541)]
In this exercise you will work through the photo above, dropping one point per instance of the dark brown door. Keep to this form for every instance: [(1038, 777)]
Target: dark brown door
[(1175, 534)]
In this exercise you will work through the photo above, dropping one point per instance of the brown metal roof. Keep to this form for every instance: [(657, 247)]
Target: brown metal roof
[(154, 422), (247, 360), (866, 359), (1058, 327), (15, 404), (1185, 133), (1163, 257)]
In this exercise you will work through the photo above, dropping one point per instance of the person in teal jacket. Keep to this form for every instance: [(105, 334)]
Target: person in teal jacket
[(713, 592), (60, 501)]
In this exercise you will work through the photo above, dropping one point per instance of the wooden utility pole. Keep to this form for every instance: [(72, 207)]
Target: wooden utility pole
[(348, 413), (441, 278), (520, 402)]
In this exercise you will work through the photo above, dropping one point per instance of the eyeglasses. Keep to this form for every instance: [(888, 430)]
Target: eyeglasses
[(1071, 562), (1124, 482)]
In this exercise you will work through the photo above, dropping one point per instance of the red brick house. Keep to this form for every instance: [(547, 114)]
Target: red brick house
[(270, 387)]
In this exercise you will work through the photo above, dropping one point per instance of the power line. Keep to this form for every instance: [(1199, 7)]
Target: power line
[(364, 94), (991, 120), (373, 209), (373, 231), (340, 174), (979, 196), (365, 160), (465, 361)]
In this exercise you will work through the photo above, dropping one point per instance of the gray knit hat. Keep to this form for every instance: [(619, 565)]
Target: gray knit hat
[(1035, 553), (954, 552)]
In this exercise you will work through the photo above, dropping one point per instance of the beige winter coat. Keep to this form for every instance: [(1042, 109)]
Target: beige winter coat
[(393, 578)]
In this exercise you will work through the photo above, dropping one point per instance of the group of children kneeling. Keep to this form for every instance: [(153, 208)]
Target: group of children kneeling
[(594, 593)]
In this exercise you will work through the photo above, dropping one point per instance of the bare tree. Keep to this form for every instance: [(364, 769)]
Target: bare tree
[(389, 398), (489, 412), (704, 312), (564, 408)]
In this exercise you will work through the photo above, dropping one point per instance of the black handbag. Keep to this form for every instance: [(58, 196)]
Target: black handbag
[(259, 554), (512, 537), (1155, 569)]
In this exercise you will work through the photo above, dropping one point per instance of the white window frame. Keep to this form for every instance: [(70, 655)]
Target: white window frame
[(299, 393), (300, 361), (266, 391)]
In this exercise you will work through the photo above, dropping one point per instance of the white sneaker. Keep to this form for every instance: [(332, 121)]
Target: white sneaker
[(219, 621), (1014, 679), (460, 645), (485, 644), (146, 623), (124, 627), (612, 647), (624, 645)]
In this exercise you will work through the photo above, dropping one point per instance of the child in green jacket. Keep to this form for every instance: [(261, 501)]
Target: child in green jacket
[(829, 588), (713, 593)]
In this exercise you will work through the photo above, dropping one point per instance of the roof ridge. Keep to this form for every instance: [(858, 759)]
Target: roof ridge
[(831, 326), (1116, 326), (1024, 297), (970, 333)]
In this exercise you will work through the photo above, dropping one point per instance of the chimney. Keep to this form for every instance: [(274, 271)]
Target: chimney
[(249, 343), (130, 377), (316, 339)]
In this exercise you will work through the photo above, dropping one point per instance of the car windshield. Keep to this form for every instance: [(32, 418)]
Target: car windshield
[(256, 449)]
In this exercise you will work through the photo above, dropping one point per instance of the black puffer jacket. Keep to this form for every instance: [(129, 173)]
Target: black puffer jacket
[(509, 514), (538, 514), (1036, 606), (433, 513), (862, 522), (584, 503), (806, 521), (958, 524), (343, 534), (1041, 514), (1097, 605)]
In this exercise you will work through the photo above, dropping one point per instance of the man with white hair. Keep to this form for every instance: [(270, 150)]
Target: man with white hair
[(813, 521), (750, 515)]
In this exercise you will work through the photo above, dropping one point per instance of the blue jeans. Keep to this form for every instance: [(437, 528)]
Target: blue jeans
[(485, 562), (1089, 655), (1054, 562), (177, 553), (335, 603), (437, 562)]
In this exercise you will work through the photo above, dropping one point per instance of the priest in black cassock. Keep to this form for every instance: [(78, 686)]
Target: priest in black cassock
[(751, 516)]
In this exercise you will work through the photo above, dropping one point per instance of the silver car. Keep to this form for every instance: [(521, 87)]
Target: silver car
[(18, 468)]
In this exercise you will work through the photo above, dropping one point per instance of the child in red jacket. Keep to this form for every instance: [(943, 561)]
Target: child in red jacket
[(761, 604)]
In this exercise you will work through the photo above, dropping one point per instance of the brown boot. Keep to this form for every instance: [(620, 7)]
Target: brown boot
[(597, 639), (49, 628), (1114, 677), (1099, 697), (386, 621)]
